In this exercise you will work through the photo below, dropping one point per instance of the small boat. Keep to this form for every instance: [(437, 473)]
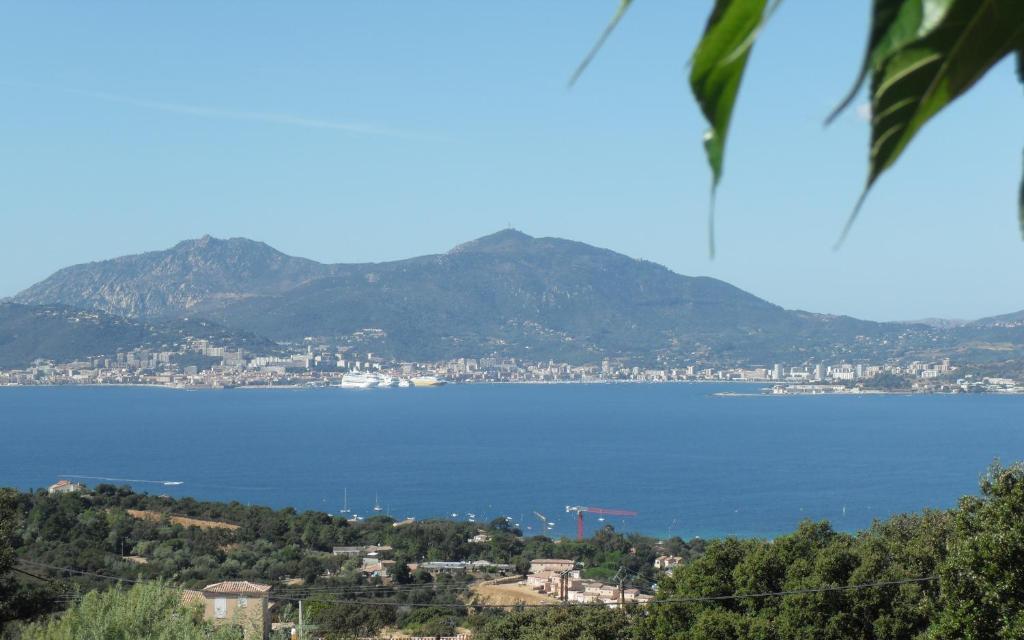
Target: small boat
[(174, 483), (404, 383), (376, 503), (344, 508)]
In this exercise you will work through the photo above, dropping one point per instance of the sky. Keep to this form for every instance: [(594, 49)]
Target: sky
[(369, 131)]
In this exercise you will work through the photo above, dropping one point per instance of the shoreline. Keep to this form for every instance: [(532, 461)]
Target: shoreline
[(718, 394)]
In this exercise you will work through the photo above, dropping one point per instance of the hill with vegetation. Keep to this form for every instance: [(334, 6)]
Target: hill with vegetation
[(113, 533), (507, 294), (64, 334), (936, 574), (190, 277)]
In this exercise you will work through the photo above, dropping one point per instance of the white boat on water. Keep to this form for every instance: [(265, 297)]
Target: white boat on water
[(388, 381), (359, 380), (404, 383), (427, 381)]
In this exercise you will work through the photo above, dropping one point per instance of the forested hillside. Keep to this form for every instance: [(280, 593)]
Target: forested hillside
[(938, 574)]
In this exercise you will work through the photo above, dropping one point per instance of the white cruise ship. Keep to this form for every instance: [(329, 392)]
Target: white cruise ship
[(359, 380), (427, 381)]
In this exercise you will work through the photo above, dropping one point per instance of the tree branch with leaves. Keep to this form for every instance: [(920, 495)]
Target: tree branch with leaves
[(921, 55)]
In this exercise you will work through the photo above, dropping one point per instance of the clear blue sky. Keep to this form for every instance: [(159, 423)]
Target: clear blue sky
[(345, 131)]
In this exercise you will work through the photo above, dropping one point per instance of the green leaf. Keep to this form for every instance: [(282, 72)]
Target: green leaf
[(915, 82), (716, 72), (894, 24), (623, 5)]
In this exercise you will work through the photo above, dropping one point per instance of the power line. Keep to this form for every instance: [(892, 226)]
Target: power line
[(31, 575), (79, 572), (679, 600)]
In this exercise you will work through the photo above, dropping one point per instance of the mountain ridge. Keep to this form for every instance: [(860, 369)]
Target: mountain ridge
[(506, 293)]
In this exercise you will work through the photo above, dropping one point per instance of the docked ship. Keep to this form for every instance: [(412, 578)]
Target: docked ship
[(359, 380), (427, 381)]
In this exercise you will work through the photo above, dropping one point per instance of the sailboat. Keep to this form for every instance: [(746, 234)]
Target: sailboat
[(344, 508), (376, 503)]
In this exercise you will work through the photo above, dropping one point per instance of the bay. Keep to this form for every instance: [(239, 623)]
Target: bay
[(688, 462)]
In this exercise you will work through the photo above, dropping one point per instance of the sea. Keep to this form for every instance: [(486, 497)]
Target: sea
[(688, 461)]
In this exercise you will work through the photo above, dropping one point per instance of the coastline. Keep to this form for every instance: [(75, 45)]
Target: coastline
[(765, 392)]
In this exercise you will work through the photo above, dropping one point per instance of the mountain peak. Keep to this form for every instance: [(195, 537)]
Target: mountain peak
[(207, 241), (503, 241)]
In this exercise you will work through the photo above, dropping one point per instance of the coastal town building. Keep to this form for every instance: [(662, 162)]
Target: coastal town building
[(560, 579), (664, 563), (323, 365), (65, 486), (241, 604)]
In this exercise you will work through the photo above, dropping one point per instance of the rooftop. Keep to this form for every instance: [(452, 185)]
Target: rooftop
[(236, 586)]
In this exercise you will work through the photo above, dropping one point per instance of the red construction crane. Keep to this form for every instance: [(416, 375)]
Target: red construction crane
[(605, 512)]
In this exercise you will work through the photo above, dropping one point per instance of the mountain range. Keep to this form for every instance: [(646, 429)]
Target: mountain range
[(507, 294)]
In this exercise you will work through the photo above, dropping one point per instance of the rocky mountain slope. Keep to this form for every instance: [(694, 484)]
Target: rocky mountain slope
[(506, 294)]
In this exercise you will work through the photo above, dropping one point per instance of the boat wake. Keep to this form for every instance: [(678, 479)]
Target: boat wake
[(166, 483)]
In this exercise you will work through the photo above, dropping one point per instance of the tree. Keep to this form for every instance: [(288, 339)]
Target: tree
[(8, 515), (982, 586), (558, 623), (151, 611), (920, 57), (340, 620)]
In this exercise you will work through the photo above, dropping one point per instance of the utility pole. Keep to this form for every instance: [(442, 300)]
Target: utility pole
[(622, 592)]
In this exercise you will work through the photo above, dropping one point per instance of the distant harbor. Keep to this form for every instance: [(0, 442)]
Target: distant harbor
[(198, 364)]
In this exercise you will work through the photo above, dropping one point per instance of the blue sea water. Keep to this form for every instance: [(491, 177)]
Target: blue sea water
[(690, 463)]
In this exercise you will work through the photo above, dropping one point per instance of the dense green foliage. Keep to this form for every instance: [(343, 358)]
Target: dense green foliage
[(8, 514), (556, 623), (972, 553), (506, 294), (95, 533), (149, 611), (937, 575), (888, 382)]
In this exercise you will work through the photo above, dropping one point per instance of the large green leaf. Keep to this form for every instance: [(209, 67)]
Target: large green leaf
[(716, 72), (919, 79), (894, 24)]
